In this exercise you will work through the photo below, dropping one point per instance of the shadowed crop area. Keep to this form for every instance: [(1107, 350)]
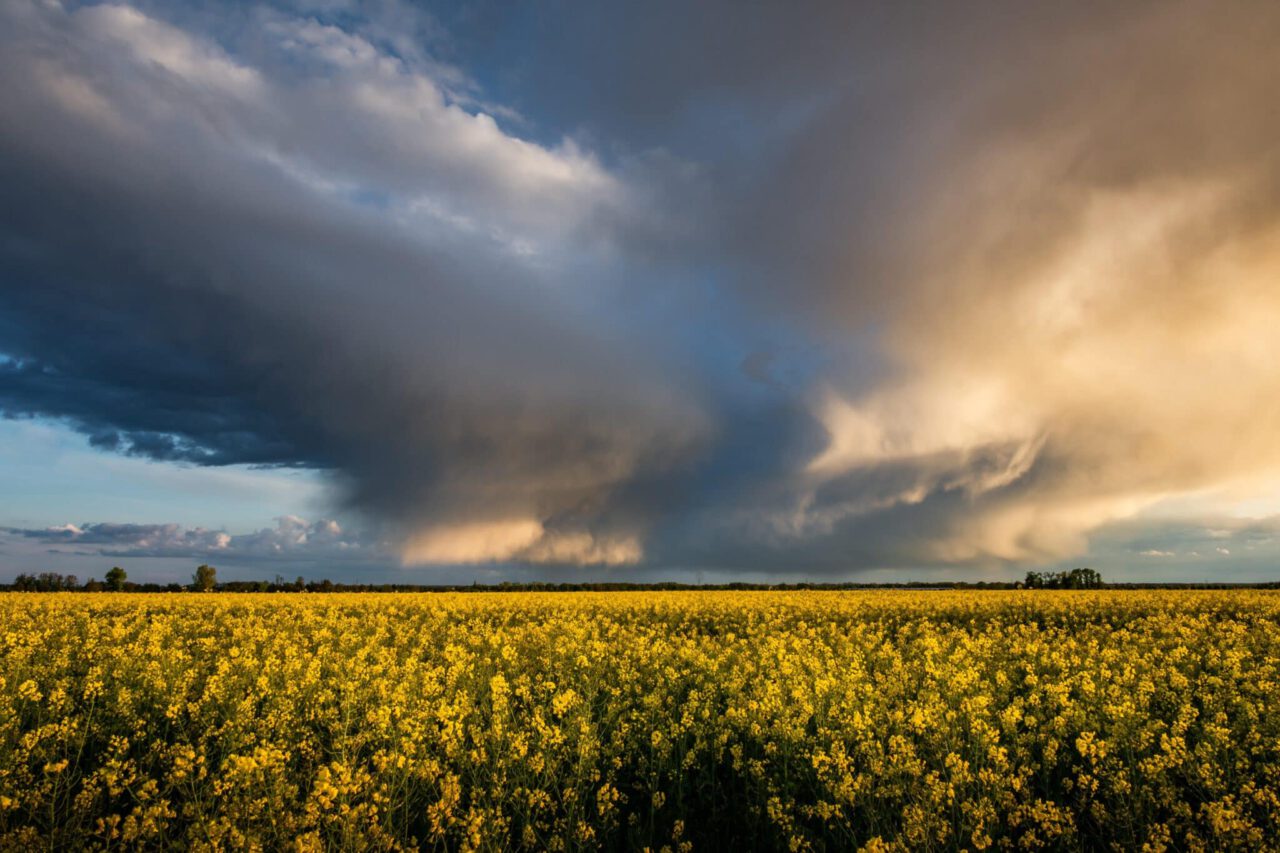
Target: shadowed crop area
[(687, 720)]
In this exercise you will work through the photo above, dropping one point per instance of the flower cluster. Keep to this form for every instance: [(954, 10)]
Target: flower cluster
[(677, 720)]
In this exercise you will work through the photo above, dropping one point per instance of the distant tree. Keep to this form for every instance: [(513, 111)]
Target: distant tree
[(45, 582), (206, 578), (93, 585), (1084, 579), (116, 578), (1080, 578)]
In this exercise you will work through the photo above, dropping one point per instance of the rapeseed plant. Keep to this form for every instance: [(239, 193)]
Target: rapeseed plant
[(682, 720)]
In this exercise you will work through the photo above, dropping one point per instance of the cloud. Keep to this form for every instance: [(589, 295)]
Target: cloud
[(292, 538), (856, 288), (1123, 356), (1070, 284), (524, 540), (395, 297)]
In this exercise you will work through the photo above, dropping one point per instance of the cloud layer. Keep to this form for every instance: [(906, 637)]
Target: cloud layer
[(862, 288), (292, 539)]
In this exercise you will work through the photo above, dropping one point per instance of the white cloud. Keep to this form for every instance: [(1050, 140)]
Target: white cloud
[(197, 62), (372, 123)]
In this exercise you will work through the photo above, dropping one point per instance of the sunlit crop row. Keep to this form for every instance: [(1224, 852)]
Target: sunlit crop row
[(896, 720)]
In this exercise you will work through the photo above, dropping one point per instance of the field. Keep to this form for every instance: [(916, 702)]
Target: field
[(686, 720)]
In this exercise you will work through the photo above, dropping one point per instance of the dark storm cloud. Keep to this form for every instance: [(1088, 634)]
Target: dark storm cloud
[(186, 284), (656, 283)]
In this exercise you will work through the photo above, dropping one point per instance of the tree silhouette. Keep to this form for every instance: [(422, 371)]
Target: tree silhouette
[(206, 578), (1075, 579)]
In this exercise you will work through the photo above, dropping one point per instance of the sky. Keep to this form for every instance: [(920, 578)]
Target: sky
[(435, 293)]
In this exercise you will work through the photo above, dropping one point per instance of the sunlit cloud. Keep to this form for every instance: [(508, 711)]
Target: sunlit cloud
[(516, 540)]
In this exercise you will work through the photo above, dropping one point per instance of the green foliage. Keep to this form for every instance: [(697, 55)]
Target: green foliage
[(1074, 579), (206, 578), (45, 582), (116, 579)]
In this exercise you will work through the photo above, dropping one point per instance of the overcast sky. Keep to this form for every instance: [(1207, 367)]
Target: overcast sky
[(640, 290)]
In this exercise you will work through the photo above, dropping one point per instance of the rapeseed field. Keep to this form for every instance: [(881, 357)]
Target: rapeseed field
[(681, 721)]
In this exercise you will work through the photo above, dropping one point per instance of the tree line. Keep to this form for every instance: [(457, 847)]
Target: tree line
[(116, 580), (1074, 579), (205, 579)]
